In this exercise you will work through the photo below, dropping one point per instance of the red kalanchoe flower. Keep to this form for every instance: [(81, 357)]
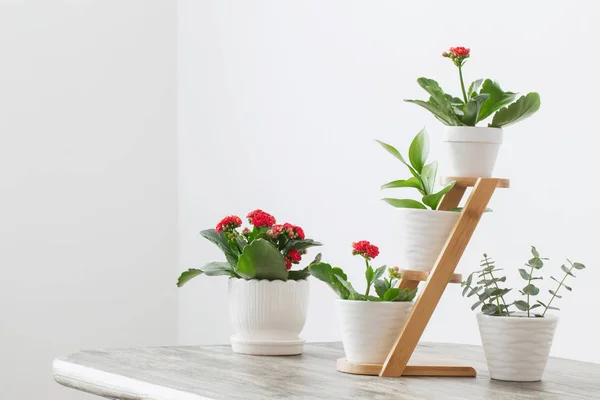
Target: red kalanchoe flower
[(457, 55), (287, 229), (460, 51), (365, 249), (288, 264), (260, 219), (228, 224), (294, 255)]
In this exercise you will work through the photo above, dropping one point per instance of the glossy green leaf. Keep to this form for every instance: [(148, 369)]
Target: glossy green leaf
[(402, 183), (300, 245), (445, 117), (524, 274), (369, 274), (474, 88), (393, 151), (299, 274), (218, 269), (428, 176), (472, 109), (380, 287), (497, 99), (391, 294), (379, 272), (262, 260), (519, 110), (324, 272), (419, 150), (222, 243), (438, 97), (188, 275), (536, 263), (433, 200), (404, 203)]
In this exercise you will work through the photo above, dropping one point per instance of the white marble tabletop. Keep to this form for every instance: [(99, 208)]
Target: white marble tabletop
[(214, 372)]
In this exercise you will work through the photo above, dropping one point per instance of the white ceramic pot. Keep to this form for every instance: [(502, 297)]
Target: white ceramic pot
[(517, 347), (471, 151), (267, 316), (370, 328), (423, 234)]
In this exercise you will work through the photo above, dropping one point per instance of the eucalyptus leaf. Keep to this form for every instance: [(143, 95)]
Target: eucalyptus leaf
[(521, 109), (566, 270), (404, 203), (489, 309), (552, 292), (522, 305), (524, 274), (476, 304), (531, 290)]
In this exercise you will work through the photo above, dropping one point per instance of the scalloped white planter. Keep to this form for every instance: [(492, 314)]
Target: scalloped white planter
[(370, 328), (423, 234), (471, 151), (517, 348), (267, 316)]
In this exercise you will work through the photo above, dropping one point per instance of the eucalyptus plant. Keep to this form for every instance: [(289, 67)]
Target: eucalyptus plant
[(423, 178), (486, 284), (482, 99)]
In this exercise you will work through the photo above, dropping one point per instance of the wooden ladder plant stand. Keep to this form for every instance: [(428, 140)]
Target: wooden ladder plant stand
[(435, 284)]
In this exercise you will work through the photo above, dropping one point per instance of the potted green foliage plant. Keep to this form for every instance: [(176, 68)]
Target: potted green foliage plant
[(517, 335), (472, 150), (370, 322), (423, 229), (267, 299)]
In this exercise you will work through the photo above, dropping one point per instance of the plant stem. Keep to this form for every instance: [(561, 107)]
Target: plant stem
[(529, 290), (502, 297), (368, 283), (462, 84), (556, 292)]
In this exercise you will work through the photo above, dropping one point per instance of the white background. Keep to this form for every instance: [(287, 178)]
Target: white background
[(88, 208), (279, 103)]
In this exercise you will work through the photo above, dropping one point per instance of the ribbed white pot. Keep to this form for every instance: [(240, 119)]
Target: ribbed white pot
[(471, 151), (267, 316), (423, 234), (370, 328), (517, 348)]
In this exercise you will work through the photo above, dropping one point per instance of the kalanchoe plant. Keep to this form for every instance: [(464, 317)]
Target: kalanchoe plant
[(491, 296), (385, 288), (482, 99), (423, 175), (267, 251)]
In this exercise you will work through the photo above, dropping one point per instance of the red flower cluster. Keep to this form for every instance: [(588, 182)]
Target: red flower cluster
[(365, 249), (289, 230), (229, 223), (294, 256), (260, 219), (288, 264), (457, 54)]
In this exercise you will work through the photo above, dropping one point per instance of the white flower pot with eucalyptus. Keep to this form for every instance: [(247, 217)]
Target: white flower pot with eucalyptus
[(267, 300), (369, 322), (516, 343), (471, 151)]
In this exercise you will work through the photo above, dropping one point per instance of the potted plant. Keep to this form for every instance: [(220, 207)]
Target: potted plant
[(516, 343), (472, 150), (267, 299), (369, 322), (424, 228)]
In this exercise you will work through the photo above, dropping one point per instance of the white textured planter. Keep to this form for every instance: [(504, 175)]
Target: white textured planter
[(267, 316), (471, 151), (370, 328), (423, 234), (517, 347)]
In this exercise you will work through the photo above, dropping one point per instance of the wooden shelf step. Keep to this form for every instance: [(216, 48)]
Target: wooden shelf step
[(411, 370), (470, 182), (412, 275)]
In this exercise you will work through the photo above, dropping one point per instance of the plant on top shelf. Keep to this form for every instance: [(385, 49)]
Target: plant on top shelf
[(385, 288), (482, 99), (423, 175), (516, 346), (267, 251)]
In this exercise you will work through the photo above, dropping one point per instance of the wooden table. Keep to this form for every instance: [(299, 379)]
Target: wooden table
[(214, 372)]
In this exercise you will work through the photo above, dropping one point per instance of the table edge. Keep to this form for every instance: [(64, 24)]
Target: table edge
[(106, 384)]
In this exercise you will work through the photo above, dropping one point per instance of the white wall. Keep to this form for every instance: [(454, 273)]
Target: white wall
[(280, 102), (88, 208)]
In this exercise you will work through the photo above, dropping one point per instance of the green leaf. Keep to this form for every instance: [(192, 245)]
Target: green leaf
[(439, 98), (316, 260), (522, 305), (379, 272), (474, 291), (534, 251), (410, 182), (472, 109), (538, 301), (553, 308), (569, 288), (404, 203), (534, 306), (186, 276), (446, 117), (218, 269), (348, 286), (465, 290), (455, 101), (469, 280), (393, 151), (369, 274), (489, 309), (496, 100), (380, 287), (566, 270), (577, 265), (299, 275), (477, 304), (536, 263), (391, 294), (531, 290), (419, 150), (324, 272), (433, 200), (261, 260), (301, 245), (524, 274), (552, 292), (474, 87), (523, 108), (218, 239), (428, 176)]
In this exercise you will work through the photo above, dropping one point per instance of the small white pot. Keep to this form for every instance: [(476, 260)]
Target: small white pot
[(267, 316), (423, 234), (517, 347), (370, 328), (471, 151)]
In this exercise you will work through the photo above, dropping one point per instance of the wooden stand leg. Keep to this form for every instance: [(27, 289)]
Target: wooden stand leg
[(396, 362)]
